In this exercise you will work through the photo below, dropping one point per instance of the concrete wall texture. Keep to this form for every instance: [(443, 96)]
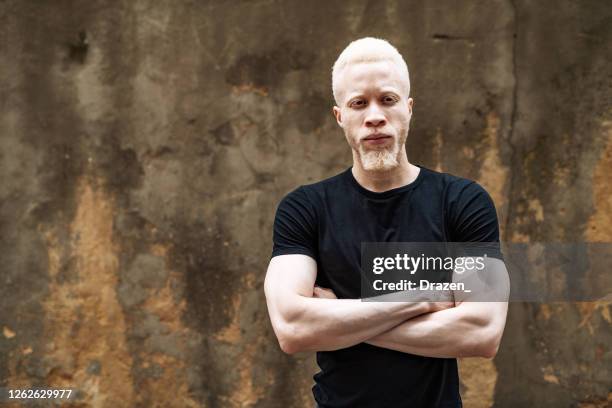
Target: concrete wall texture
[(146, 144)]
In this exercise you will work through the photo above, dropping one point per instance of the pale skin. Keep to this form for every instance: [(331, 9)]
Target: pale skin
[(373, 102)]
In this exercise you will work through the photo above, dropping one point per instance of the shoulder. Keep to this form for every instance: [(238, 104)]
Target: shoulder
[(457, 188), (314, 193), (470, 212), (326, 184)]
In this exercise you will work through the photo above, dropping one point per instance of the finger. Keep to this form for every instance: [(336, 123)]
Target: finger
[(323, 293)]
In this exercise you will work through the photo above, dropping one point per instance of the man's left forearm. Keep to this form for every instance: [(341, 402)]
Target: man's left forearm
[(472, 329)]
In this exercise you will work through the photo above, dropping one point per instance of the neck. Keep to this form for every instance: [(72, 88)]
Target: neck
[(384, 180)]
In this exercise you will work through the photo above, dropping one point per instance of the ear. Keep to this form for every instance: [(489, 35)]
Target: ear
[(338, 115), (410, 105)]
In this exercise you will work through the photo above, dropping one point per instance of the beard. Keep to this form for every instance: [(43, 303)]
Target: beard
[(378, 160), (382, 159)]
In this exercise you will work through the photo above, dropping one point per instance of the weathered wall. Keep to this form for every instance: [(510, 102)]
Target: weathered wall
[(145, 145)]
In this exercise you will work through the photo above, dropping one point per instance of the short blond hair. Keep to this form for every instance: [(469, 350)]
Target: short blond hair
[(368, 49)]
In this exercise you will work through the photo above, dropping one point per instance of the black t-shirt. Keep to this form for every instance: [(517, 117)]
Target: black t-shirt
[(328, 221)]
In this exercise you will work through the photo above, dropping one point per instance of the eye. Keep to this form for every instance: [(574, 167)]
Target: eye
[(357, 103), (389, 99)]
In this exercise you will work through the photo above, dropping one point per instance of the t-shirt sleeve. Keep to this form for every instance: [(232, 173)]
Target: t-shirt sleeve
[(295, 226), (473, 220)]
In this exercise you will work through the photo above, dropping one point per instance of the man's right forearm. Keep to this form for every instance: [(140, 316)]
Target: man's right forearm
[(316, 324), (303, 322)]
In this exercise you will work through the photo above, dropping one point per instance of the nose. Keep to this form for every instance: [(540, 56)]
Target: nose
[(375, 116)]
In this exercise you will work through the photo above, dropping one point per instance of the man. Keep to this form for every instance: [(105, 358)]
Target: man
[(378, 354)]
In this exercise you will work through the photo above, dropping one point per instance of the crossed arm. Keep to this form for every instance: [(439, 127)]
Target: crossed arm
[(305, 318)]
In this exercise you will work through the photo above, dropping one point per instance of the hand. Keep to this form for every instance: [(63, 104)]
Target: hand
[(323, 293), (442, 300), (439, 305)]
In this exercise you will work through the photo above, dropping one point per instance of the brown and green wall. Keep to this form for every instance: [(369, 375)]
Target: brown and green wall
[(144, 146)]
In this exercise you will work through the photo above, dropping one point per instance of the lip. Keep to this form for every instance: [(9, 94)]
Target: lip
[(377, 138)]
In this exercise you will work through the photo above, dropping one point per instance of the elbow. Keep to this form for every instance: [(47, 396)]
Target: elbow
[(488, 346), (291, 331), (489, 351), (287, 343), (289, 340), (480, 342), (288, 346)]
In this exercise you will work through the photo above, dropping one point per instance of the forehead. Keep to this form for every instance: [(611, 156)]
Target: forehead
[(366, 77)]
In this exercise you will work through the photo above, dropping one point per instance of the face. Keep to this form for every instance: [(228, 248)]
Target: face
[(375, 113)]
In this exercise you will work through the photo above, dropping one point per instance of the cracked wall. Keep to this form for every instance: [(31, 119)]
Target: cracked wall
[(145, 145)]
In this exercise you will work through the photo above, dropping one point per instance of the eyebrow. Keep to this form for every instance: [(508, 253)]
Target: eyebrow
[(354, 95)]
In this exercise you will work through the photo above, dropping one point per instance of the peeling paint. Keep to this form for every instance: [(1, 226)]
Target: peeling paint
[(598, 403), (478, 376), (231, 333), (84, 319), (587, 312), (493, 174), (549, 376), (246, 88), (247, 391), (8, 333), (599, 227), (536, 208), (544, 312), (438, 145)]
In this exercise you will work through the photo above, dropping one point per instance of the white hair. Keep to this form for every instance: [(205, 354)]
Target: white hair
[(368, 49)]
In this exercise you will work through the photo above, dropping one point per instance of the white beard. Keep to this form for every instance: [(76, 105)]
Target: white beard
[(379, 160)]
